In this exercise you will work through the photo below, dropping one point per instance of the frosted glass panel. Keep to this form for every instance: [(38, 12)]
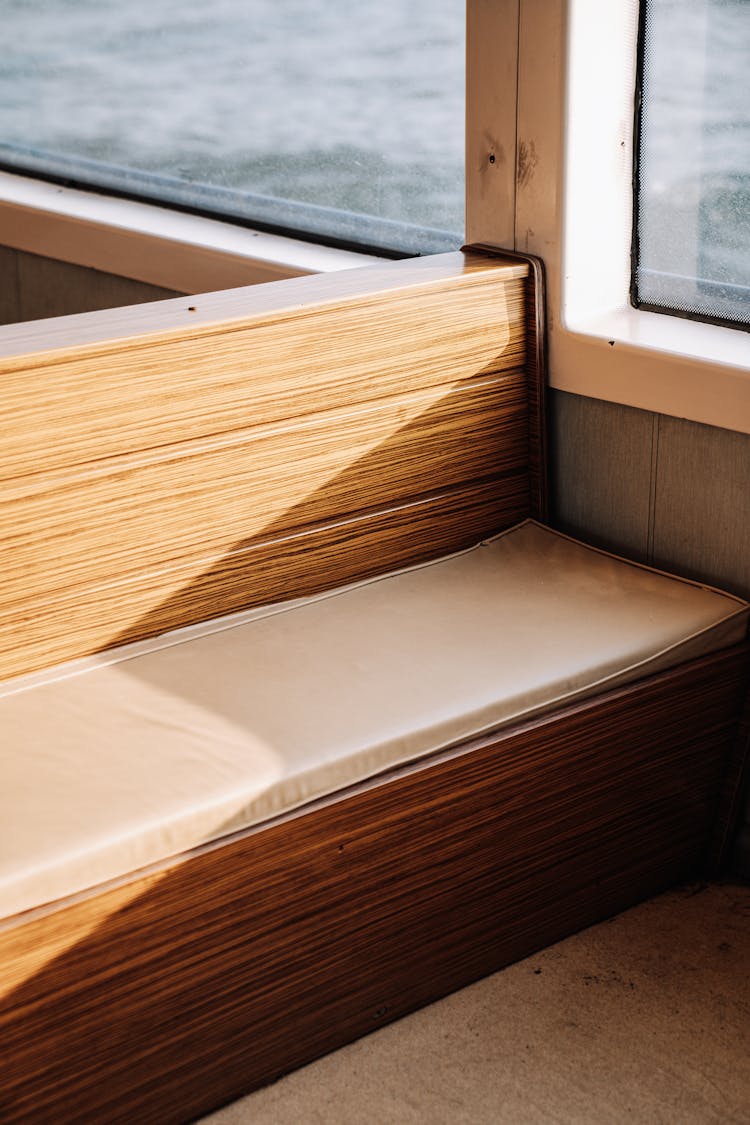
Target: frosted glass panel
[(694, 166), (351, 105)]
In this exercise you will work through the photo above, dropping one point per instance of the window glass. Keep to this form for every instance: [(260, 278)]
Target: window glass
[(356, 106), (693, 199)]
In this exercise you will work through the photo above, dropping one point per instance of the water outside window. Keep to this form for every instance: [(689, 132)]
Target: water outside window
[(358, 106), (694, 169)]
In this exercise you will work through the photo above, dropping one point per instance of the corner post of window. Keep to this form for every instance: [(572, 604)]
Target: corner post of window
[(491, 84)]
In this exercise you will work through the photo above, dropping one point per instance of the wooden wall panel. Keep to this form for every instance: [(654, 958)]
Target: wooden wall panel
[(196, 500), (10, 309), (401, 417), (73, 406), (33, 286), (47, 287)]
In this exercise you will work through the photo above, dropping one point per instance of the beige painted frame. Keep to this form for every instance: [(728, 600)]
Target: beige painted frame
[(576, 81), (151, 244)]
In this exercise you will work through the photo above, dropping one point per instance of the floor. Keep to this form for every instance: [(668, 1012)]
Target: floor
[(644, 1018)]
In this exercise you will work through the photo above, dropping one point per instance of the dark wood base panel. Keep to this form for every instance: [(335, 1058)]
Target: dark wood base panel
[(158, 1002)]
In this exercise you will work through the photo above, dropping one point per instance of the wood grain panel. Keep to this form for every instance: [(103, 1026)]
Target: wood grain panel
[(156, 482), (191, 502), (161, 1000), (71, 407), (103, 332), (58, 626)]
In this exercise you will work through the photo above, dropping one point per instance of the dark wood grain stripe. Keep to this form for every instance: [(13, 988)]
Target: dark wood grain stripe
[(536, 375), (734, 789)]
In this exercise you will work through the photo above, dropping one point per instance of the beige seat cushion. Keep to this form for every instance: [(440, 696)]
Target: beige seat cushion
[(132, 757)]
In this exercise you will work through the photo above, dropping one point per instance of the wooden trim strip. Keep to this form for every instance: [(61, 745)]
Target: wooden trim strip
[(231, 310), (492, 29), (537, 375)]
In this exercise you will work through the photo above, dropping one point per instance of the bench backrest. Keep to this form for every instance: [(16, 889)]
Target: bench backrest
[(230, 450)]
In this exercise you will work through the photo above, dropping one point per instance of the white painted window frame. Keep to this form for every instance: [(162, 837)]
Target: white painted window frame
[(572, 205)]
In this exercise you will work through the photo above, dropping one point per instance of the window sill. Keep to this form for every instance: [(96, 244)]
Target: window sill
[(656, 362), (166, 248)]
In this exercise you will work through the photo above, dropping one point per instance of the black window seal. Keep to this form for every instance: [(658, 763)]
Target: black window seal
[(741, 292), (325, 226)]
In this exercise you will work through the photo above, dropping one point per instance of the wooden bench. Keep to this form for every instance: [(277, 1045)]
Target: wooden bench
[(217, 458)]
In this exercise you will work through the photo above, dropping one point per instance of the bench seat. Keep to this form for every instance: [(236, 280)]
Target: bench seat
[(130, 758)]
